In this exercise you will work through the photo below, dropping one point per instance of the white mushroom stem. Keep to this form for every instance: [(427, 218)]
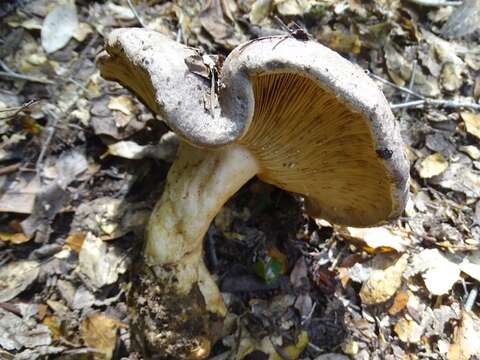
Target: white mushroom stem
[(199, 182)]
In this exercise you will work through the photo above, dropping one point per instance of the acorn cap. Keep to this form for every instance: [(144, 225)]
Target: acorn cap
[(316, 123)]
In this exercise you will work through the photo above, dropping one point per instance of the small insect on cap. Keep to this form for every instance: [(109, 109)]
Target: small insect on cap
[(320, 127)]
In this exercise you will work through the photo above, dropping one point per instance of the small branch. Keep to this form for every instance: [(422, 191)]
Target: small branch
[(423, 100), (9, 169), (135, 13), (395, 86), (437, 102), (8, 73)]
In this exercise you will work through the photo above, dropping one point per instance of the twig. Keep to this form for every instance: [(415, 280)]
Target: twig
[(135, 13), (9, 73), (395, 86), (423, 100), (16, 110), (434, 3), (9, 169), (437, 102)]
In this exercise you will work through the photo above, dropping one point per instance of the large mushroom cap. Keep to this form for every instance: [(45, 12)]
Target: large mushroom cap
[(321, 128), (317, 125)]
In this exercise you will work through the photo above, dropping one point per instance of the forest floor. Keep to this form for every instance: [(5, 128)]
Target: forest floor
[(72, 214)]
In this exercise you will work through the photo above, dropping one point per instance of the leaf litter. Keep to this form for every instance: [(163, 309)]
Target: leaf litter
[(82, 161)]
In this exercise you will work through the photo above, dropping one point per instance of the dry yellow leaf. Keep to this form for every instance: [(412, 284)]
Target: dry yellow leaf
[(472, 123), (293, 351), (384, 280), (432, 165), (122, 103), (16, 238), (53, 324), (100, 332)]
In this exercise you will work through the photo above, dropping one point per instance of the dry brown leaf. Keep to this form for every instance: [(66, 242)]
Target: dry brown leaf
[(384, 280), (399, 302), (75, 241), (432, 165), (100, 332), (466, 344), (472, 123)]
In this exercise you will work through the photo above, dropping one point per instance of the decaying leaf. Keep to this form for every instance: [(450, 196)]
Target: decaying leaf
[(472, 123), (16, 277), (100, 332), (58, 27), (384, 280), (100, 263), (377, 238), (465, 344), (432, 165)]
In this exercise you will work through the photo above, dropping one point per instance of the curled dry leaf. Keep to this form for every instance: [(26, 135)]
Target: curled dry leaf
[(384, 280), (58, 27), (432, 165), (377, 238)]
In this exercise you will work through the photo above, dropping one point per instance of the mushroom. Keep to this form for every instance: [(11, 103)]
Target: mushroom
[(294, 113)]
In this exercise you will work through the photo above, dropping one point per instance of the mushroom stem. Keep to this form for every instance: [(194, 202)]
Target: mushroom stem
[(199, 182)]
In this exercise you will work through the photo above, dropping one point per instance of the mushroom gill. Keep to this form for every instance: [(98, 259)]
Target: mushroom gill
[(308, 142)]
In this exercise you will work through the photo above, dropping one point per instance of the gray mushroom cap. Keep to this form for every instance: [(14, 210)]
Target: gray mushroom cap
[(269, 70)]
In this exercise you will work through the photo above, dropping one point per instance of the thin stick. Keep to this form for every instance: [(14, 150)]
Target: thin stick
[(437, 102), (17, 76), (395, 86), (9, 169), (135, 13), (423, 100)]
